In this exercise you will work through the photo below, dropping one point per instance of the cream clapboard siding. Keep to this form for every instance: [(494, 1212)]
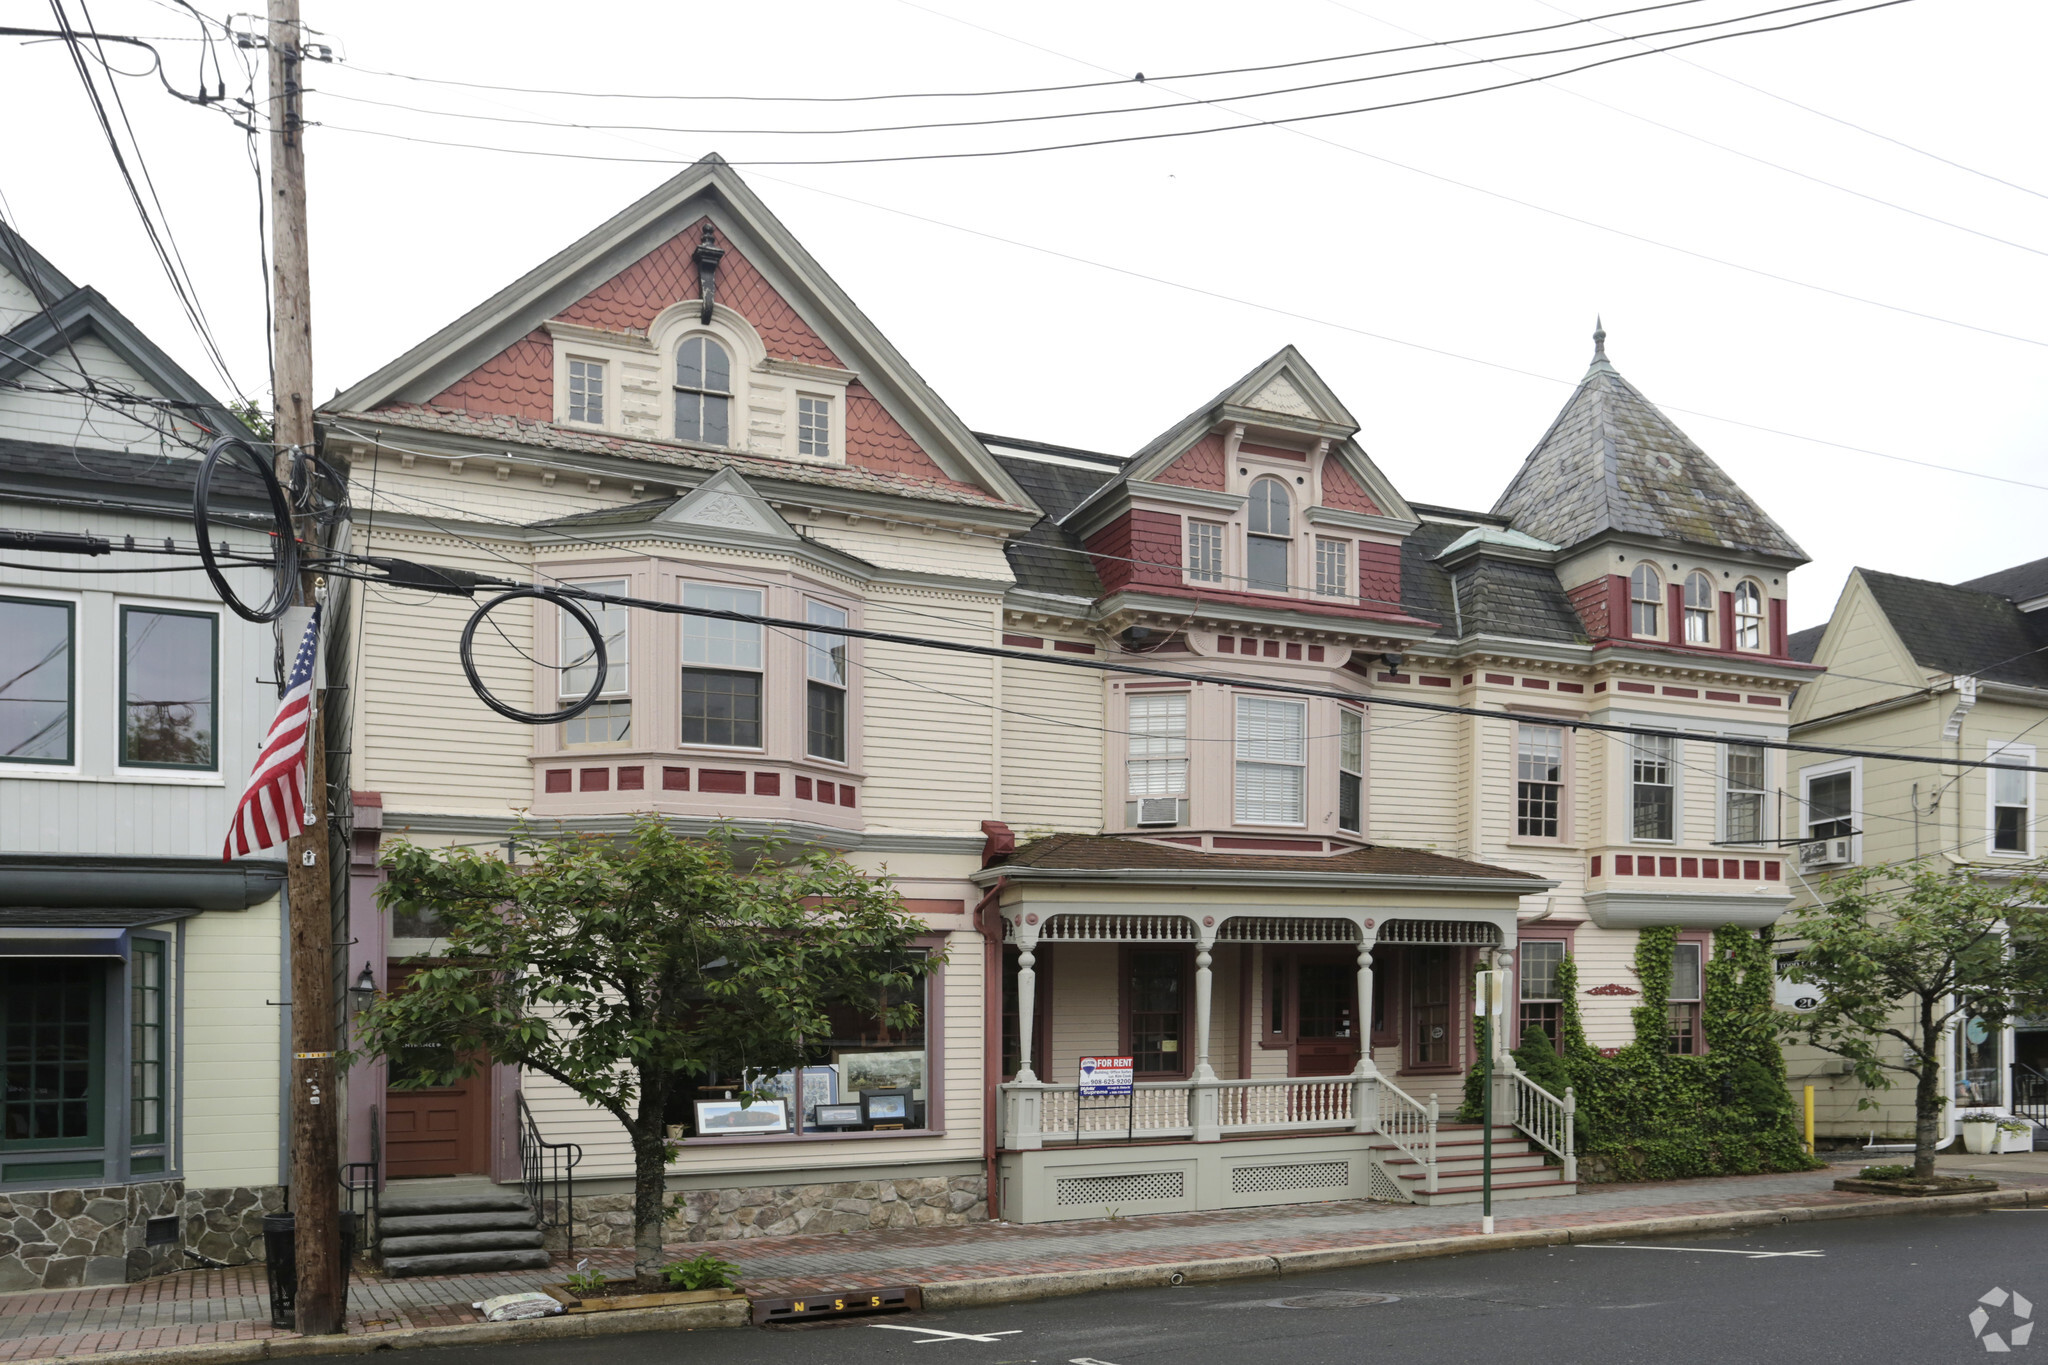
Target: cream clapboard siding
[(232, 1043), (1859, 642), (1053, 749), (931, 726), (1409, 760), (934, 552), (606, 1153), (1085, 1003)]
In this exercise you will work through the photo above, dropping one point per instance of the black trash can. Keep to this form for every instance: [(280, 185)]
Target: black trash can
[(281, 1264)]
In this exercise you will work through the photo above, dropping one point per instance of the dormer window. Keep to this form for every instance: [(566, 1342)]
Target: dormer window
[(1749, 616), (703, 392), (586, 391), (1270, 527), (1699, 610), (814, 427), (1646, 601), (1333, 559)]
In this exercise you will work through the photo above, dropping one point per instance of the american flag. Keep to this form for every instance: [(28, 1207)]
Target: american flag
[(274, 806)]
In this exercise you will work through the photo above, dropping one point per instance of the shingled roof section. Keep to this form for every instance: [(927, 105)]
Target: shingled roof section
[(1958, 630), (1493, 597), (2021, 583), (1613, 462), (1085, 853), (1049, 557)]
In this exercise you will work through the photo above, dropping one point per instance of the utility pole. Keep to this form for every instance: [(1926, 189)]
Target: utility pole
[(315, 1160)]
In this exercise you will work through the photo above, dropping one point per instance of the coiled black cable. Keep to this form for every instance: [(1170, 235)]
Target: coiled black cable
[(284, 558), (582, 618)]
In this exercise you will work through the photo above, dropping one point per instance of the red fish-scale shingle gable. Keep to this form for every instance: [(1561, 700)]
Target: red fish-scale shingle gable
[(518, 381)]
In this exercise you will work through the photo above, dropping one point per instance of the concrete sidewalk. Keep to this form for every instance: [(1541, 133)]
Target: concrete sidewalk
[(228, 1307)]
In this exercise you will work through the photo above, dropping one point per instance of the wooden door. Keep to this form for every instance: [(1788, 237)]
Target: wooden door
[(442, 1130), (1326, 1027)]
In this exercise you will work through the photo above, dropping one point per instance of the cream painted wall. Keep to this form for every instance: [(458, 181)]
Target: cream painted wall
[(232, 1044)]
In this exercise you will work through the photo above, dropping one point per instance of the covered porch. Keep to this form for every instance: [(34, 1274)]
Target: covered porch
[(1295, 1047)]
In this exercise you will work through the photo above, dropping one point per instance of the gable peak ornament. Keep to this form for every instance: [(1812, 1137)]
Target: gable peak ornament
[(1599, 340), (708, 254)]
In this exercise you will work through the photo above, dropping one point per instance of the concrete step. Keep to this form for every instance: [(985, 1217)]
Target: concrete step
[(412, 1205), (1472, 1194), (421, 1225), (465, 1262), (1520, 1165), (435, 1243)]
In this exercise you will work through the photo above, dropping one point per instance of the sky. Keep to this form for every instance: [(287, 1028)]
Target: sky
[(1813, 248)]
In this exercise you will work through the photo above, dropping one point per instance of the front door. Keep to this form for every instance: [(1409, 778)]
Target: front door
[(1326, 1028), (441, 1130)]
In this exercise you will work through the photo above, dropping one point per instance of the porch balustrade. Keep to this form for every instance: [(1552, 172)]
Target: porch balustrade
[(1545, 1119)]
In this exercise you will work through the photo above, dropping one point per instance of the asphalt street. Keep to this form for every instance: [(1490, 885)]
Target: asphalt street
[(1862, 1291)]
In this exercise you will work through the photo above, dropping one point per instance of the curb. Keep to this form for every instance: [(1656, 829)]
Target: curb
[(1048, 1285)]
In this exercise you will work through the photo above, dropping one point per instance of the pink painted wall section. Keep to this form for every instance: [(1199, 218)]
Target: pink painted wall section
[(1199, 466), (1592, 601), (1379, 576), (631, 299), (1341, 490), (875, 440), (518, 381), (1153, 537)]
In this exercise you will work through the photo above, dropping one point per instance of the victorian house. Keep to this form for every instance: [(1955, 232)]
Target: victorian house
[(1263, 866)]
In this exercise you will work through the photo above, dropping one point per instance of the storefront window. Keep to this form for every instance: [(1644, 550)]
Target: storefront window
[(1976, 1058), (52, 1045)]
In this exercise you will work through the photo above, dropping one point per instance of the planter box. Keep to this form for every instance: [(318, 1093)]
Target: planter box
[(2009, 1141), (612, 1302), (1914, 1188), (1979, 1138)]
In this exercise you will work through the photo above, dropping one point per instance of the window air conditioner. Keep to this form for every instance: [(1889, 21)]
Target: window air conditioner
[(1159, 810), (1825, 853)]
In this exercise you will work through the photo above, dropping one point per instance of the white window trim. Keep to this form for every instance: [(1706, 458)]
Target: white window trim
[(845, 683), (608, 399), (2021, 753), (1674, 777), (1763, 618), (1566, 757), (1713, 609), (29, 767), (1766, 826), (1301, 767), (1222, 580), (1851, 766), (768, 717), (1663, 630), (1357, 717), (215, 776), (1347, 566), (1300, 578)]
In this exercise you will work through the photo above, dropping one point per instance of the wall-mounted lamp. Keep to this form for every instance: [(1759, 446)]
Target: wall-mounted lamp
[(364, 991)]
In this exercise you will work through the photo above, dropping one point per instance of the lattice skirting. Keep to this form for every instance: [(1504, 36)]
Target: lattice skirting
[(1118, 1189), (1319, 1175)]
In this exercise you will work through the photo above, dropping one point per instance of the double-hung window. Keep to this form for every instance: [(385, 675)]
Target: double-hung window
[(721, 673), (1269, 524), (1645, 602), (703, 392), (1742, 793), (1683, 1005), (1540, 1006), (1652, 797), (1539, 780), (607, 721), (1271, 745), (814, 427), (1333, 576), (170, 675), (586, 391), (1350, 769), (1699, 609), (2012, 804), (1157, 764), (1749, 616), (36, 680), (825, 683), (1205, 552), (1829, 806)]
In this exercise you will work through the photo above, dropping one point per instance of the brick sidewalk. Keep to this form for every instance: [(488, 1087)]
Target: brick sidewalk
[(231, 1305)]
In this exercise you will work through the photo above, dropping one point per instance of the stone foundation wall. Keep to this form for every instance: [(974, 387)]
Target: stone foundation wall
[(606, 1220), (62, 1239)]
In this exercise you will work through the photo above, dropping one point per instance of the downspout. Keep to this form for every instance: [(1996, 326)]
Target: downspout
[(989, 921), (1966, 700)]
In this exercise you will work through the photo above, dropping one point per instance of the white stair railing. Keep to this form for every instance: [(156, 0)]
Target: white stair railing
[(1409, 1125), (1547, 1120)]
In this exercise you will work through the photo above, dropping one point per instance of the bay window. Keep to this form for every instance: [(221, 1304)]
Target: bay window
[(1269, 523), (609, 721), (1350, 769), (1271, 744), (170, 675), (1652, 797), (1157, 760), (1742, 793), (722, 667), (825, 683), (1539, 780), (36, 681)]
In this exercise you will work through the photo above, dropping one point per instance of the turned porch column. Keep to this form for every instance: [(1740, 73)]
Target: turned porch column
[(1022, 1121), (1203, 1106), (1367, 936)]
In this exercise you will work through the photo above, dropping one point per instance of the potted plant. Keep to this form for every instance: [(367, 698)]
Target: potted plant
[(2014, 1135), (1980, 1131)]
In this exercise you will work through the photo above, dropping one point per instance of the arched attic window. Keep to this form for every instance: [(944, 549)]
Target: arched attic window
[(1699, 609), (1749, 615), (703, 392), (1269, 543), (1646, 601)]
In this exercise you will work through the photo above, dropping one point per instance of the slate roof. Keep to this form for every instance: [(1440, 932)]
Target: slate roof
[(2022, 583), (1804, 644), (88, 472), (1494, 596), (1045, 558), (1959, 630), (1613, 462), (1084, 853)]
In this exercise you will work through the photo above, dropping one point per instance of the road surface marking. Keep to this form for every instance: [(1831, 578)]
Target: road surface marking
[(934, 1334), (1719, 1251)]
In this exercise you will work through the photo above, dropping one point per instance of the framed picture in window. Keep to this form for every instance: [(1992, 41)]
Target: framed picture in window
[(864, 1071), (885, 1106), (820, 1086), (731, 1118), (836, 1116)]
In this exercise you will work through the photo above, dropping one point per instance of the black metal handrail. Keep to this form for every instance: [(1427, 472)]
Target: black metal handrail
[(360, 1182), (2029, 1093), (547, 1170)]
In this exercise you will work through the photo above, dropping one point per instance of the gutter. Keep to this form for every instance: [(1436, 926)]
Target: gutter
[(1176, 877)]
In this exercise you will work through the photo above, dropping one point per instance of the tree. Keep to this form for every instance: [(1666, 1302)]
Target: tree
[(625, 968), (1901, 952)]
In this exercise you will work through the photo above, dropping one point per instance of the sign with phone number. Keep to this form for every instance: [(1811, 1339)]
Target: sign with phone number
[(834, 1303), (1106, 1075)]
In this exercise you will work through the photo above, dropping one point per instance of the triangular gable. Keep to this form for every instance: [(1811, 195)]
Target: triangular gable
[(725, 502), (614, 274)]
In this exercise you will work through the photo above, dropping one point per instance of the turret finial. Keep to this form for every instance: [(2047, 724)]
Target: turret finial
[(1599, 340)]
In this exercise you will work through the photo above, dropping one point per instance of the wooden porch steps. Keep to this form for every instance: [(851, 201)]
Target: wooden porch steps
[(1520, 1169)]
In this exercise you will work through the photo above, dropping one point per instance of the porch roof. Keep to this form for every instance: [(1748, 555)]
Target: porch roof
[(1101, 857)]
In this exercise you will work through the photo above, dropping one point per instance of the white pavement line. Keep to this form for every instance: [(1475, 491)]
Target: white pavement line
[(934, 1334), (1719, 1251)]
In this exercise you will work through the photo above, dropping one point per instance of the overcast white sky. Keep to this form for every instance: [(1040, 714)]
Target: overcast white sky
[(1315, 234)]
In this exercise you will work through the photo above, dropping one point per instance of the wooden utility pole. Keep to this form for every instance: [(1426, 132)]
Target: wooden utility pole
[(315, 1161)]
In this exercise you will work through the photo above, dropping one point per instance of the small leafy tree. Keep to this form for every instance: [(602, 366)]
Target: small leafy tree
[(625, 968), (1902, 952)]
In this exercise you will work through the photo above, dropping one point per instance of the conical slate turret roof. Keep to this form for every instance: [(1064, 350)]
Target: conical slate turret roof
[(1613, 462)]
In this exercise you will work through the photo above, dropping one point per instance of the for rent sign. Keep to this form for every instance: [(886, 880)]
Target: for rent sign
[(1105, 1075)]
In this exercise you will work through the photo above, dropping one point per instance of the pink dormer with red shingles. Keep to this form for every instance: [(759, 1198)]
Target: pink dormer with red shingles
[(1262, 499), (694, 330)]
